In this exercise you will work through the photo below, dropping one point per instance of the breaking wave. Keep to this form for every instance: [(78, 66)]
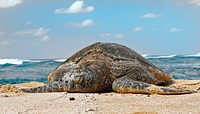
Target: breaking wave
[(195, 55), (10, 61), (15, 61), (60, 60), (169, 56), (19, 61), (159, 56)]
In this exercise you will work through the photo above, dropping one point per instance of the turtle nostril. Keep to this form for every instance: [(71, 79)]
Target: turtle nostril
[(66, 82)]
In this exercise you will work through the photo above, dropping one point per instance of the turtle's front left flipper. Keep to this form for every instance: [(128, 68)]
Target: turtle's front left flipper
[(128, 85), (56, 86)]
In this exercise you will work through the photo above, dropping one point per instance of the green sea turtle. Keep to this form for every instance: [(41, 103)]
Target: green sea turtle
[(105, 67)]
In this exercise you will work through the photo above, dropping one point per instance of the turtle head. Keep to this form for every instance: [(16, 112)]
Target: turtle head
[(79, 80)]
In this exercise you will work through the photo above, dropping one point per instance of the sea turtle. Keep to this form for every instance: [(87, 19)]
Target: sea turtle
[(105, 67)]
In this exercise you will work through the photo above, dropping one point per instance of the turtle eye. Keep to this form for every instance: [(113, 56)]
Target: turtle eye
[(78, 79)]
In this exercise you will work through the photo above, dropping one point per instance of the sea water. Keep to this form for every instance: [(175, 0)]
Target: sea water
[(14, 71)]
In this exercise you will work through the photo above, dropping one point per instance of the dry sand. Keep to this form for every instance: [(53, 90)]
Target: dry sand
[(114, 103)]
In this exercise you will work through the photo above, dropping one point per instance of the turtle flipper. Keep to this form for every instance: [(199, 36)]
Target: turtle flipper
[(128, 85), (56, 86), (171, 91)]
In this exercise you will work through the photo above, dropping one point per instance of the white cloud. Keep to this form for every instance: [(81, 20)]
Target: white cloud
[(85, 23), (4, 43), (45, 38), (151, 15), (76, 7), (112, 35), (105, 35), (1, 33), (191, 2), (119, 36), (33, 32), (39, 32), (174, 29), (195, 2), (138, 29), (28, 23), (9, 3)]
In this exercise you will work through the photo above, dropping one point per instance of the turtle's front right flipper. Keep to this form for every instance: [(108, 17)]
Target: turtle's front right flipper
[(128, 85), (56, 86)]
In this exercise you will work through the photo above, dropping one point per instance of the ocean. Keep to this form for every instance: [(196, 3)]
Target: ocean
[(15, 71)]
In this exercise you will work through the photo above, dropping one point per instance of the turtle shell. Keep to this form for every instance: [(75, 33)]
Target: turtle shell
[(114, 51)]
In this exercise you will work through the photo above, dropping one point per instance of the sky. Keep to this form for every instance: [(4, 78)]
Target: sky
[(42, 29)]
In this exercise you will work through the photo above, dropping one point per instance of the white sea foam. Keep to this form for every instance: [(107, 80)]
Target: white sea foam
[(16, 61), (32, 61), (60, 60), (10, 61), (196, 67), (169, 56), (162, 56), (145, 55), (195, 55)]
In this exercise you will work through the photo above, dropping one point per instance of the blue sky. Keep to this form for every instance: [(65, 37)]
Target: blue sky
[(57, 29)]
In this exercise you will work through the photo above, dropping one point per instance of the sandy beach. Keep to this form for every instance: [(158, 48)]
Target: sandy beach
[(112, 103)]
